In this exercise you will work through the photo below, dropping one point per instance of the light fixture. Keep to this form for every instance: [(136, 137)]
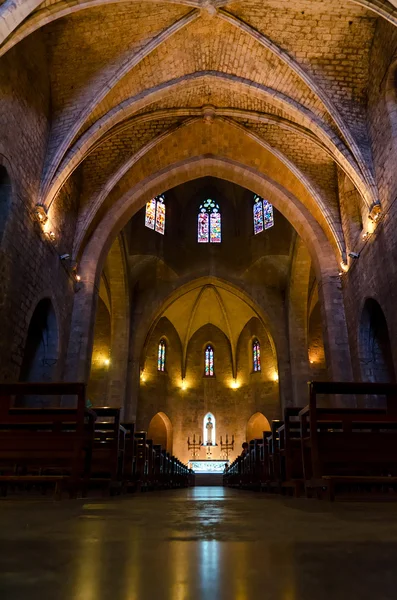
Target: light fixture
[(183, 384), (275, 376), (143, 376), (344, 267), (235, 384), (78, 277), (40, 214), (51, 235), (106, 362)]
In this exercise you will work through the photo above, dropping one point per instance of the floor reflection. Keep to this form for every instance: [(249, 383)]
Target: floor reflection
[(155, 547)]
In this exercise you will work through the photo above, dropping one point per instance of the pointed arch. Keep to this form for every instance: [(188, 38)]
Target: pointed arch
[(256, 425), (160, 431)]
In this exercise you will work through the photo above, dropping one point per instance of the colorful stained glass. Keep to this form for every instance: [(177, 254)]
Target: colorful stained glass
[(268, 214), (160, 215), (209, 361), (209, 223), (215, 226), (263, 214), (256, 352), (203, 226), (150, 216), (161, 356), (258, 215)]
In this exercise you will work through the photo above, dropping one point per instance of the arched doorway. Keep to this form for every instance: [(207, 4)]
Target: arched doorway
[(256, 425), (41, 349), (5, 198), (160, 431), (376, 359), (40, 359)]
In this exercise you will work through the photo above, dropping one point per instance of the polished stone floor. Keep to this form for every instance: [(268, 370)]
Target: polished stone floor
[(202, 543)]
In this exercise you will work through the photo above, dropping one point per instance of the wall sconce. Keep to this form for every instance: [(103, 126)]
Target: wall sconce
[(183, 384), (275, 376), (106, 362), (51, 235), (40, 214), (143, 376), (235, 384)]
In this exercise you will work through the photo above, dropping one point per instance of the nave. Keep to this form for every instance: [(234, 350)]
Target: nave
[(203, 543)]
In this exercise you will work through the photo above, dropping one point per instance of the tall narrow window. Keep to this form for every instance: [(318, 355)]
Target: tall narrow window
[(209, 361), (263, 214), (209, 224), (161, 356), (155, 214), (256, 355)]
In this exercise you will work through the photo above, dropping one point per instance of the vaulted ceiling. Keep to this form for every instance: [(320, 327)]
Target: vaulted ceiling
[(277, 86)]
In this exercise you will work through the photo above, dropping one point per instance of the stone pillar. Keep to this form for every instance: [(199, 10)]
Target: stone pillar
[(297, 322)]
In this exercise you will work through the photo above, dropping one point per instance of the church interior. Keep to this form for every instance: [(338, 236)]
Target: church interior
[(198, 286)]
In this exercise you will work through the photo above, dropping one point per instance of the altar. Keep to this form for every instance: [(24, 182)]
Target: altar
[(208, 466)]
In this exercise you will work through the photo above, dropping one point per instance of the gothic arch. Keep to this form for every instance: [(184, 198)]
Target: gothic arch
[(256, 425), (375, 352), (160, 431), (41, 354)]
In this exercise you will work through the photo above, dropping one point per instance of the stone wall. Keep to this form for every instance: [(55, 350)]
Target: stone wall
[(30, 268), (186, 408)]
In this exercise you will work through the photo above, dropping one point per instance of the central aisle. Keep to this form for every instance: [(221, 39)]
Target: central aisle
[(201, 543)]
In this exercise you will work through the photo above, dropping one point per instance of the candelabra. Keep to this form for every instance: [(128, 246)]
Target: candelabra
[(227, 447), (194, 447)]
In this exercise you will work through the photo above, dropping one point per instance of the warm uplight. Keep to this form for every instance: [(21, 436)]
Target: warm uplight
[(275, 376), (78, 278), (106, 362), (40, 214), (234, 384), (344, 267), (143, 376), (183, 384)]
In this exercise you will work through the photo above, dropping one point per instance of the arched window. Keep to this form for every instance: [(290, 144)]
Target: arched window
[(161, 356), (263, 214), (155, 214), (209, 436), (209, 361), (209, 223), (256, 355)]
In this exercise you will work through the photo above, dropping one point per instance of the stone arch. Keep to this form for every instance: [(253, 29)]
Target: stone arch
[(321, 251), (376, 359), (40, 359), (98, 384), (256, 425), (160, 431), (5, 198)]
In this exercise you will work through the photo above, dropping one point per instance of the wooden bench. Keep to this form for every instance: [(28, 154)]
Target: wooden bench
[(41, 446), (290, 453), (350, 450), (107, 466)]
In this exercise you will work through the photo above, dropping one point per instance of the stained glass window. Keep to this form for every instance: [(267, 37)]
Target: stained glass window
[(203, 228), (209, 361), (258, 215), (150, 213), (155, 214), (160, 215), (209, 223), (161, 356), (268, 214), (256, 355), (263, 214)]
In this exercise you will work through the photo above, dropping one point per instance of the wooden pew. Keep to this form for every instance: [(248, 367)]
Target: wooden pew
[(289, 451), (349, 448), (141, 460), (107, 466), (274, 465), (43, 446)]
